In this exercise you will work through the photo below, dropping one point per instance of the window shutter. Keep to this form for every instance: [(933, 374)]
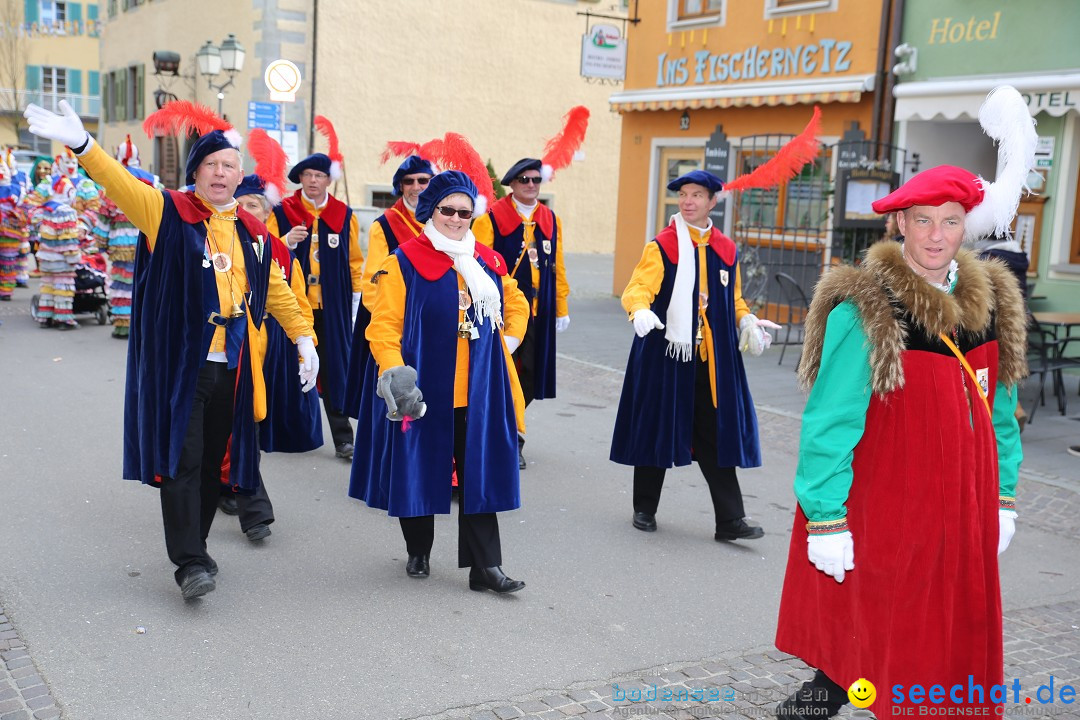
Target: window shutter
[(33, 77), (33, 11), (140, 92)]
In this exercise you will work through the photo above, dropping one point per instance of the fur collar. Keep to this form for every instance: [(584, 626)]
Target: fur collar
[(984, 290)]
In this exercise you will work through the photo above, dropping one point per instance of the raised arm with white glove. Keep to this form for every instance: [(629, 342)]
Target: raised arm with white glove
[(832, 554), (645, 321), (64, 128), (309, 368), (752, 335)]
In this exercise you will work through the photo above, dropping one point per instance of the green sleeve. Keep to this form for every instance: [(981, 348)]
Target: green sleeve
[(1010, 452), (834, 418)]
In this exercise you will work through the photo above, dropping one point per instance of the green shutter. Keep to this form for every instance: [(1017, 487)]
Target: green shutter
[(74, 18), (33, 9), (33, 77), (93, 81), (91, 20), (74, 87), (140, 92)]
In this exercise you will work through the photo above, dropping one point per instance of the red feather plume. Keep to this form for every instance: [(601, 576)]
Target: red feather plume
[(324, 126), (397, 148), (559, 150), (456, 153), (182, 118), (270, 163), (787, 162)]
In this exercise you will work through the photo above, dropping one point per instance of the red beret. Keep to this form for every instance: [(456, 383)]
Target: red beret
[(936, 186)]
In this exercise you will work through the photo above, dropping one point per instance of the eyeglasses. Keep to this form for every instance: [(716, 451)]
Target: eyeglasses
[(313, 175), (450, 212), (526, 180), (418, 181)]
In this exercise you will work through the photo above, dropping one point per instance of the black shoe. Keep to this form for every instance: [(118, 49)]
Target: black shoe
[(810, 702), (645, 521), (418, 566), (344, 451), (257, 532), (493, 578), (67, 326), (197, 583), (227, 505), (738, 530), (212, 568), (7, 298)]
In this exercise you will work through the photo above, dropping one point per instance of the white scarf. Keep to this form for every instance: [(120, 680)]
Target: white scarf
[(680, 310), (484, 292)]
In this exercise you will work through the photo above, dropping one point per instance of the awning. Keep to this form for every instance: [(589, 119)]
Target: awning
[(844, 89), (955, 98)]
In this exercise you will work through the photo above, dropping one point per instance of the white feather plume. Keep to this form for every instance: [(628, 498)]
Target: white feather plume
[(480, 207), (1004, 117)]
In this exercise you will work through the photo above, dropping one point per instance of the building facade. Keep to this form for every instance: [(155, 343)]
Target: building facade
[(48, 53), (722, 84), (500, 72), (963, 49)]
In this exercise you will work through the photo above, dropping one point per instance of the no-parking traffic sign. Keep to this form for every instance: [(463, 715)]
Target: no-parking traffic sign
[(282, 79)]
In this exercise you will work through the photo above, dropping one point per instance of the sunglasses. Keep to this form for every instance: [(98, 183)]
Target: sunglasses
[(526, 180), (418, 181), (450, 212)]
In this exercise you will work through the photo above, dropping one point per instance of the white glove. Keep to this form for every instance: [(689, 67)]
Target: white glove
[(832, 554), (355, 306), (309, 368), (512, 343), (1006, 529), (645, 321), (561, 323), (66, 128), (752, 335), (295, 236)]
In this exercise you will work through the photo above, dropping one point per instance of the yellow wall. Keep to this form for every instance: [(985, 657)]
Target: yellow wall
[(501, 72), (853, 21)]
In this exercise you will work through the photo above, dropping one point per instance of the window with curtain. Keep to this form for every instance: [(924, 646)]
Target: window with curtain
[(694, 9)]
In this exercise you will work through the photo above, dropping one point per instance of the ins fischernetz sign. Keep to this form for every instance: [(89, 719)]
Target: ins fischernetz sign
[(825, 57)]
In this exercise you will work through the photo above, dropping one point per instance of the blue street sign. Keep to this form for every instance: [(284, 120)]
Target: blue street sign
[(290, 128), (264, 115)]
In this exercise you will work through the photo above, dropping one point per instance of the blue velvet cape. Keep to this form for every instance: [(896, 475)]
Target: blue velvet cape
[(293, 422), (654, 423), (408, 473), (173, 294), (509, 241), (335, 279)]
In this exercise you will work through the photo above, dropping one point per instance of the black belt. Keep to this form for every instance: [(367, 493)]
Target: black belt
[(216, 318)]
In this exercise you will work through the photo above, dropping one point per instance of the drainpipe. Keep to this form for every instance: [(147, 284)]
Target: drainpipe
[(881, 72), (314, 74), (889, 105)]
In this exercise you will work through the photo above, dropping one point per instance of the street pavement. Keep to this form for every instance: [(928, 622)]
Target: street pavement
[(320, 620)]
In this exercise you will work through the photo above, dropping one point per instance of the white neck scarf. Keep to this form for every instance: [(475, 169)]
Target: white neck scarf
[(484, 292), (680, 310), (526, 211)]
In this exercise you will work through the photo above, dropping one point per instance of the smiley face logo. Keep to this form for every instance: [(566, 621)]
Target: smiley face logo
[(862, 693)]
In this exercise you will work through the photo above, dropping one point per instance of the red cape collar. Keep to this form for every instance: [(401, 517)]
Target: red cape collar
[(332, 214), (507, 218), (403, 223), (720, 243), (192, 210), (432, 264)]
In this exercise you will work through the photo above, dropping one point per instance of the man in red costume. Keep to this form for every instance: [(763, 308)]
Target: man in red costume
[(909, 455)]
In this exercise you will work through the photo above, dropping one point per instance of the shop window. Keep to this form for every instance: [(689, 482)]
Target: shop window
[(674, 162), (782, 8), (691, 13), (800, 205)]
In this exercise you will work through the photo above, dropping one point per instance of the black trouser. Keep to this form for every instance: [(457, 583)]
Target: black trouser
[(189, 500), (478, 533), (254, 509), (340, 427), (525, 357), (723, 484), (822, 692)]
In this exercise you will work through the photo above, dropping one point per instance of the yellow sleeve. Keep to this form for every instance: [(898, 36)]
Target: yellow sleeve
[(741, 308), (141, 203), (484, 233), (271, 225), (562, 287), (388, 317), (515, 308), (646, 280), (377, 252), (356, 255), (299, 288), (281, 303)]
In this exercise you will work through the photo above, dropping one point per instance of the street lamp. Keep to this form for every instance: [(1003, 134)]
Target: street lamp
[(212, 60)]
